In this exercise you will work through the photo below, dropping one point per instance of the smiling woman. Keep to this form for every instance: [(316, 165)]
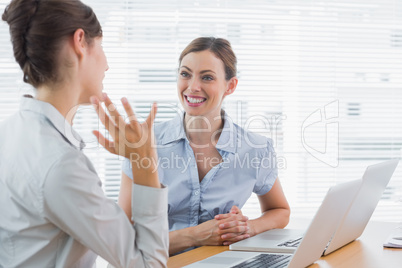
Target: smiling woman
[(202, 84), (206, 196)]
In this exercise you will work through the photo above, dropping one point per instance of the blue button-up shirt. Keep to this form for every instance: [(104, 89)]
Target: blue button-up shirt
[(248, 166)]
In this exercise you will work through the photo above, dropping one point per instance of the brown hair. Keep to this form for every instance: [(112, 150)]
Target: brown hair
[(220, 47), (37, 29)]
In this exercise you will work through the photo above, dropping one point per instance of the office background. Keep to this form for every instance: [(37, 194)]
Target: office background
[(323, 79)]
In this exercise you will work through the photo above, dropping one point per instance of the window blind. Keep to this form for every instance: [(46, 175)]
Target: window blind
[(321, 78)]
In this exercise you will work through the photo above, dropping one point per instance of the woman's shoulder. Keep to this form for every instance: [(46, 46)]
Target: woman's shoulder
[(41, 144)]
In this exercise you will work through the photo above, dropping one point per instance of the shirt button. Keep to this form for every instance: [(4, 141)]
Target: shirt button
[(196, 192)]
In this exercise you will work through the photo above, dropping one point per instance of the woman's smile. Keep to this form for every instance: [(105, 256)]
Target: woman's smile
[(194, 101)]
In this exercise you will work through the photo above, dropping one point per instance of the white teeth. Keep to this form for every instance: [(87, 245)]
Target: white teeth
[(194, 100)]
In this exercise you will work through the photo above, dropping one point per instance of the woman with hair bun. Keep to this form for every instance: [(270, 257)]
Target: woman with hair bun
[(53, 210), (210, 164)]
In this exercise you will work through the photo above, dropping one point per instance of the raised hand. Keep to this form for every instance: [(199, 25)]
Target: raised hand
[(132, 140)]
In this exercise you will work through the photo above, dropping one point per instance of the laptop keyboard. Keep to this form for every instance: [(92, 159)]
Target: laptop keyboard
[(265, 260), (291, 243)]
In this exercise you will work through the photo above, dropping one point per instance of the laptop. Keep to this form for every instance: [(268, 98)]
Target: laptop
[(374, 181), (367, 194), (312, 245)]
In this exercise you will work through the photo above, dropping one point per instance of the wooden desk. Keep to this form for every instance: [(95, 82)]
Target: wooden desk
[(366, 252)]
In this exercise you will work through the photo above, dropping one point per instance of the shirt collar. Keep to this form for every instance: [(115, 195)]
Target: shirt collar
[(174, 130), (56, 119), (227, 140)]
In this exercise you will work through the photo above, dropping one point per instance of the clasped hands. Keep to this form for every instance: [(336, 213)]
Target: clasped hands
[(224, 229)]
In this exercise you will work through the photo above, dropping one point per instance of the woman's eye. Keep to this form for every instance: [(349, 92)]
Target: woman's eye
[(208, 78), (184, 74)]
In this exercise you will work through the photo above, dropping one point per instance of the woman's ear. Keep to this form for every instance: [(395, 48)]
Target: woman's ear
[(79, 43), (232, 84)]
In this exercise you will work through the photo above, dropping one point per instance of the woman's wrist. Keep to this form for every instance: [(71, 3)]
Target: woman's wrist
[(192, 236), (252, 228), (146, 177), (181, 239)]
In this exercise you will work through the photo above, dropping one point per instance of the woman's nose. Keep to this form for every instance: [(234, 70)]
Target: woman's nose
[(195, 85)]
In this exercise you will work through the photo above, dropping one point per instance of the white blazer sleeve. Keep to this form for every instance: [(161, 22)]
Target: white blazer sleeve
[(74, 201)]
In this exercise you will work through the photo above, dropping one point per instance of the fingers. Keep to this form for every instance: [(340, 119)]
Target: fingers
[(108, 145), (109, 125), (230, 233), (234, 236), (234, 227), (129, 111), (127, 138), (235, 210), (236, 239), (151, 117), (115, 115), (230, 216)]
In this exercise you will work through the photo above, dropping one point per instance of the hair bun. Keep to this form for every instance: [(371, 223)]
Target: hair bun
[(37, 30), (26, 9), (18, 14)]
